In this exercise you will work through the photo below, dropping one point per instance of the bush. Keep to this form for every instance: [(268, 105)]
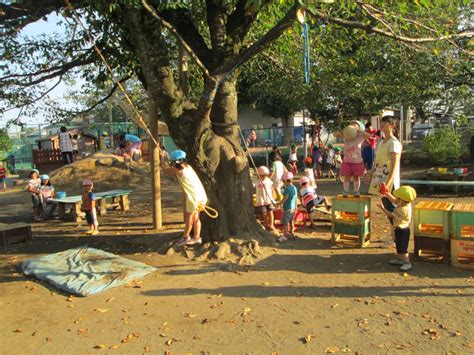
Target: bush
[(443, 146)]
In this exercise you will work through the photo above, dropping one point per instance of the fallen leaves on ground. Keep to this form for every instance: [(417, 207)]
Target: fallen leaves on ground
[(101, 310), (190, 315), (331, 349), (110, 299), (129, 337), (99, 346), (306, 339)]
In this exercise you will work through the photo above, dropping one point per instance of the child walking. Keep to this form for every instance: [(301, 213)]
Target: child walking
[(293, 159), (309, 172), (3, 177), (88, 207), (352, 164), (337, 163), (310, 199), (264, 197), (400, 218), (289, 207), (330, 163), (33, 187)]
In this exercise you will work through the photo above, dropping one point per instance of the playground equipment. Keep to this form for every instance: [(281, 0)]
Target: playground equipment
[(462, 236), (351, 221), (432, 231)]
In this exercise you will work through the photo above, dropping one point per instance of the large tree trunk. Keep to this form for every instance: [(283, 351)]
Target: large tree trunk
[(222, 166)]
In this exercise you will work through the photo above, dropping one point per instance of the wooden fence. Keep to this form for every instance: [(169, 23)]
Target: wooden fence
[(46, 160)]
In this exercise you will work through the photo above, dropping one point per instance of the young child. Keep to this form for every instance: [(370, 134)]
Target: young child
[(194, 192), (289, 207), (46, 197), (88, 207), (310, 199), (352, 164), (309, 172), (337, 163), (293, 159), (75, 146), (264, 197), (3, 177), (400, 217), (33, 187), (276, 172), (330, 161), (317, 156)]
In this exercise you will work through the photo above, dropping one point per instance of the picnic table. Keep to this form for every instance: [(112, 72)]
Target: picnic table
[(432, 183), (119, 200)]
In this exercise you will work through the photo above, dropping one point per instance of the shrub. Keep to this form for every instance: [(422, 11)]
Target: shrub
[(443, 146)]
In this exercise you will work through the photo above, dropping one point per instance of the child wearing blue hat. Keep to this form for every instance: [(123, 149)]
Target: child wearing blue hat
[(46, 197)]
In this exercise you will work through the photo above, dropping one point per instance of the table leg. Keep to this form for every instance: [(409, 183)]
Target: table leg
[(77, 214), (124, 203), (102, 206), (61, 210)]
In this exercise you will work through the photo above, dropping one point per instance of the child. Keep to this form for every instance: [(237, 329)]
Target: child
[(196, 198), (46, 197), (264, 197), (310, 199), (317, 157), (353, 165), (400, 218), (88, 207), (3, 177), (330, 161), (293, 159), (289, 207), (33, 187), (276, 172), (337, 163), (309, 172)]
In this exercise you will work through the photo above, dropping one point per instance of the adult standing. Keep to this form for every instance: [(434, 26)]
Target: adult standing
[(386, 169), (133, 145), (368, 146), (11, 163), (65, 144)]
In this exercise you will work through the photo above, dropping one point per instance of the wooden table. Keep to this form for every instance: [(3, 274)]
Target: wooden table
[(119, 201)]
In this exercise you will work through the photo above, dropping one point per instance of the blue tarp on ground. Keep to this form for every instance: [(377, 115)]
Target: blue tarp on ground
[(85, 271)]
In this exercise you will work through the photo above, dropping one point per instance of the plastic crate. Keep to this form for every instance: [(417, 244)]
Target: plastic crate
[(433, 218), (462, 253), (462, 221), (352, 208)]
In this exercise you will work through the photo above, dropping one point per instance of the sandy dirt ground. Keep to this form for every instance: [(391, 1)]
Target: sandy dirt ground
[(304, 296)]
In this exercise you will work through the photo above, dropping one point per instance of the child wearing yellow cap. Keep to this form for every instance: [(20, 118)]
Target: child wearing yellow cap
[(401, 218)]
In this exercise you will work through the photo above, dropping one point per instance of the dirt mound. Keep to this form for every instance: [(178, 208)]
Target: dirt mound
[(106, 170)]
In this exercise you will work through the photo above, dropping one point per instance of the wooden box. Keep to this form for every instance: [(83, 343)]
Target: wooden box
[(432, 249), (433, 218), (12, 235), (462, 221), (462, 253)]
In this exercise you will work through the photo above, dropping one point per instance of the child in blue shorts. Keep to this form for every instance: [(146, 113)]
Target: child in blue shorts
[(289, 206)]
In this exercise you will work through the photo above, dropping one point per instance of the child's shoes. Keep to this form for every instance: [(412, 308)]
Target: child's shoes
[(282, 239), (396, 261), (406, 267)]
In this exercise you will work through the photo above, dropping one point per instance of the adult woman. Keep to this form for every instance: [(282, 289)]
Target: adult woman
[(195, 195), (386, 169)]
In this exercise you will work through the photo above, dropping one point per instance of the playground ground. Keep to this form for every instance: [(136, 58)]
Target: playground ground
[(305, 296)]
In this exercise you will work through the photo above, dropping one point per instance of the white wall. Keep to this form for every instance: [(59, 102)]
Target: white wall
[(249, 118)]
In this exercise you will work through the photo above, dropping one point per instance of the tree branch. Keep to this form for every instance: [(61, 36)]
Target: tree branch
[(241, 19), (263, 42), (178, 37), (371, 29)]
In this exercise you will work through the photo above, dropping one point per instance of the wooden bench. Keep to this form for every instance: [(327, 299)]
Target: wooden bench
[(14, 234), (432, 183), (119, 201)]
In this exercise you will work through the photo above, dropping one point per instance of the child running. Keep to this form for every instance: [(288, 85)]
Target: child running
[(353, 165), (193, 189), (264, 197), (310, 199), (33, 187), (401, 218), (88, 207), (289, 207)]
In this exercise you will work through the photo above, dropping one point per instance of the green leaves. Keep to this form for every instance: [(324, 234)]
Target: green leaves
[(443, 147)]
